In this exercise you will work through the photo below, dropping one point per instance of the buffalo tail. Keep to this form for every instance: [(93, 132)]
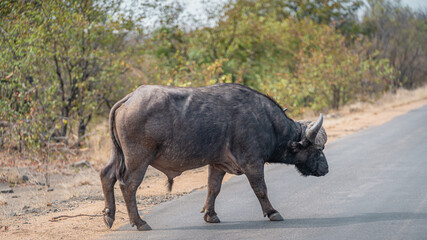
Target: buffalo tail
[(120, 164)]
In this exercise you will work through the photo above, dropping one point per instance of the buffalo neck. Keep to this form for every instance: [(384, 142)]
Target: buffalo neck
[(290, 131)]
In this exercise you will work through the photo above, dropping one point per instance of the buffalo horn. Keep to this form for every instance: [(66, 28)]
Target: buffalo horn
[(312, 131)]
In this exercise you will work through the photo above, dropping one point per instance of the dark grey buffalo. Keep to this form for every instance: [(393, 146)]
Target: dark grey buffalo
[(229, 127)]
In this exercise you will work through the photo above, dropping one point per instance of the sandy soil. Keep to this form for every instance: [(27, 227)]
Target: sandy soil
[(71, 209)]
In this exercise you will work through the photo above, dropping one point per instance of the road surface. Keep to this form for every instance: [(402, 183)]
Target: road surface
[(376, 189)]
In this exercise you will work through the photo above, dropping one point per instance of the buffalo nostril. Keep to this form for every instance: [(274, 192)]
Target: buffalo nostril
[(325, 171), (322, 172)]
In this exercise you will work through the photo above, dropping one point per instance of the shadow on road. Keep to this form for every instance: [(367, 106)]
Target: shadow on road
[(309, 222)]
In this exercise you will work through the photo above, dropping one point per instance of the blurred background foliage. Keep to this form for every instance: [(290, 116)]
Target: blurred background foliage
[(66, 62)]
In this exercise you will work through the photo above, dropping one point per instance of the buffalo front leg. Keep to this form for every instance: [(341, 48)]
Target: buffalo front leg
[(214, 186), (256, 179), (108, 179), (132, 180)]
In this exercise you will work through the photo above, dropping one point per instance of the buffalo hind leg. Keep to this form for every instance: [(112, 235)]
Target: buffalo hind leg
[(108, 179), (132, 180), (214, 186), (256, 179)]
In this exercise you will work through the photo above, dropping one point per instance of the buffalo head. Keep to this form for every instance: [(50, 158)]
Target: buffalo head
[(308, 152)]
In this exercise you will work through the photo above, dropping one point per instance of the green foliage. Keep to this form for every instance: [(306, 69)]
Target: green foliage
[(328, 74), (300, 61), (400, 35), (64, 62), (61, 61)]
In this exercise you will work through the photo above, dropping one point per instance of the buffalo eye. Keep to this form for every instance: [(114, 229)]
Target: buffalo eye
[(296, 146), (320, 148)]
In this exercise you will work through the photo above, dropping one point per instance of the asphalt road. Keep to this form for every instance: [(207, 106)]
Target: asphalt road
[(376, 189)]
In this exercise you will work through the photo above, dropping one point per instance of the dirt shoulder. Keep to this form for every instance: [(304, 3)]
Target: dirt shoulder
[(72, 206), (359, 116)]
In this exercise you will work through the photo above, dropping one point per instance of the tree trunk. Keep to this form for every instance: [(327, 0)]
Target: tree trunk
[(83, 122), (64, 127), (336, 97), (81, 132)]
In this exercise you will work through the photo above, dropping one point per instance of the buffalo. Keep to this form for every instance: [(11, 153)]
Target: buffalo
[(230, 127)]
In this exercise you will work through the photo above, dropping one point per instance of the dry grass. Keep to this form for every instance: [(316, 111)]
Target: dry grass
[(99, 145), (388, 100), (360, 115)]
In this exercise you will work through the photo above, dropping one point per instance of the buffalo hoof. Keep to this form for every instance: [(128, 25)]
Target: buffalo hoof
[(144, 227), (211, 219), (108, 221), (275, 217)]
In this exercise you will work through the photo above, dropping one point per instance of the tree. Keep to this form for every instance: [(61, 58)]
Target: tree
[(400, 35), (324, 11), (68, 55), (86, 47), (328, 74)]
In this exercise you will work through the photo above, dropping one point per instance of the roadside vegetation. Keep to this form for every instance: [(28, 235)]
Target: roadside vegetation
[(63, 64)]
